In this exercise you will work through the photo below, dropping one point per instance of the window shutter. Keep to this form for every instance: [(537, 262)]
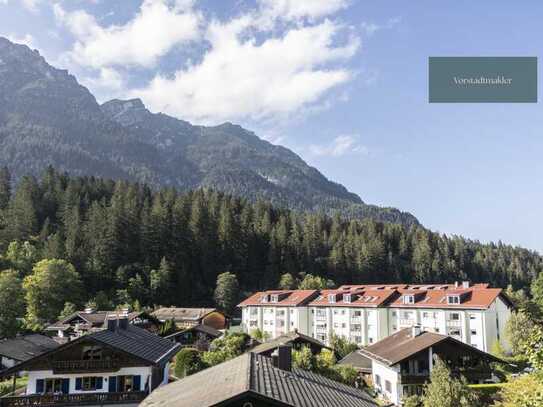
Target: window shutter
[(78, 381), (99, 383), (40, 383), (137, 383), (65, 386), (112, 384)]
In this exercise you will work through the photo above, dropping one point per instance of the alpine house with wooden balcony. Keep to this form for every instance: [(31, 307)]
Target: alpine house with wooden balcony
[(121, 364)]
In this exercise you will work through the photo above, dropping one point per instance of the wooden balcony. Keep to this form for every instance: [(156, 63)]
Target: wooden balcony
[(81, 399), (85, 366)]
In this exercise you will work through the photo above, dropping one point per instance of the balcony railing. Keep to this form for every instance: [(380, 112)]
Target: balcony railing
[(74, 366), (79, 399), (406, 322), (454, 322)]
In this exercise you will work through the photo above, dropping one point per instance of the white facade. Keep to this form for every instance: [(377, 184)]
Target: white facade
[(386, 381), (276, 320), (480, 328), (144, 374)]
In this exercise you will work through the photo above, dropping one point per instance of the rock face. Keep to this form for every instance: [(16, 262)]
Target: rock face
[(48, 118)]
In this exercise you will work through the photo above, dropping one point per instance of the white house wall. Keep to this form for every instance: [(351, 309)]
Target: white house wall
[(145, 373)]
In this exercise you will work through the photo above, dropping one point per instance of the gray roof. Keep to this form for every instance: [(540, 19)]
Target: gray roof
[(255, 374), (138, 342), (182, 314), (135, 341), (198, 328), (94, 318), (286, 339), (403, 344), (357, 360), (26, 347)]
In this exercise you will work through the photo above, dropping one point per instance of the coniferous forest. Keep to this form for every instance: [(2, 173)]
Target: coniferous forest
[(128, 242)]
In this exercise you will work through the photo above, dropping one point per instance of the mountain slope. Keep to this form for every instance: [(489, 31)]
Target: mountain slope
[(47, 118)]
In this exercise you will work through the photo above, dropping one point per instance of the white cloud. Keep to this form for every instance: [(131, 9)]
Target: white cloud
[(295, 9), (240, 77), (277, 60), (158, 26), (340, 146)]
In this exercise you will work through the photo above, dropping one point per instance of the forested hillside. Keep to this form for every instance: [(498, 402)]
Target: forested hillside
[(128, 242), (48, 118)]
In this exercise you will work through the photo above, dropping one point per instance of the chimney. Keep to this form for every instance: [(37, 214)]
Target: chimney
[(416, 330), (282, 357), (465, 284), (111, 325), (123, 323)]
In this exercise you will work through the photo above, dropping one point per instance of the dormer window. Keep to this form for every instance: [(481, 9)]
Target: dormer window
[(332, 298), (453, 299), (408, 299), (274, 298), (265, 298), (347, 298)]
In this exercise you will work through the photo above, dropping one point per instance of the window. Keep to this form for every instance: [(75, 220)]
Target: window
[(473, 332), (454, 332), (332, 298), (408, 299), (426, 315), (92, 353), (455, 316), (472, 316), (88, 383), (370, 340), (336, 312), (388, 386), (453, 299), (357, 313), (342, 312), (53, 386), (343, 325), (378, 380), (347, 298), (393, 313), (128, 383), (274, 298)]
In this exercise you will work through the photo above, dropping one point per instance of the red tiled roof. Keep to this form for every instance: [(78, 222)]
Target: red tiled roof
[(364, 298), (292, 298), (477, 296)]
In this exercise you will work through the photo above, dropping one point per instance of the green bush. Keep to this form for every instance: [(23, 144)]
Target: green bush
[(187, 362)]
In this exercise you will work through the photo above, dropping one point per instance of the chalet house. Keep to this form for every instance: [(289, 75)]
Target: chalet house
[(199, 336), (121, 364), (22, 348), (252, 380), (90, 320), (402, 362), (364, 314), (188, 317), (294, 339)]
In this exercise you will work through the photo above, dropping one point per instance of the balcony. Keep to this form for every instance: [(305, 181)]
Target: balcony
[(85, 366), (81, 399), (454, 322), (406, 322)]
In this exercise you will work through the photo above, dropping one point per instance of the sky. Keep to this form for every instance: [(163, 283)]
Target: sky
[(343, 83)]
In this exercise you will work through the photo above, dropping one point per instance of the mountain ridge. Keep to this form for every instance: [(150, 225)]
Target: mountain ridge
[(48, 118)]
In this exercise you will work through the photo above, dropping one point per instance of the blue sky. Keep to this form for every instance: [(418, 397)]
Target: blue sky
[(342, 83)]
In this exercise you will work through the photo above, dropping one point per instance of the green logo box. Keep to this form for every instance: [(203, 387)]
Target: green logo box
[(482, 79)]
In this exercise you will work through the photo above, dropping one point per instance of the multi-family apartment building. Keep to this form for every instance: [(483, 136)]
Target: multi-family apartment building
[(474, 314)]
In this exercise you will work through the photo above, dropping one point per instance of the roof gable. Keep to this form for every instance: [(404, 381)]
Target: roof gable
[(256, 374)]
